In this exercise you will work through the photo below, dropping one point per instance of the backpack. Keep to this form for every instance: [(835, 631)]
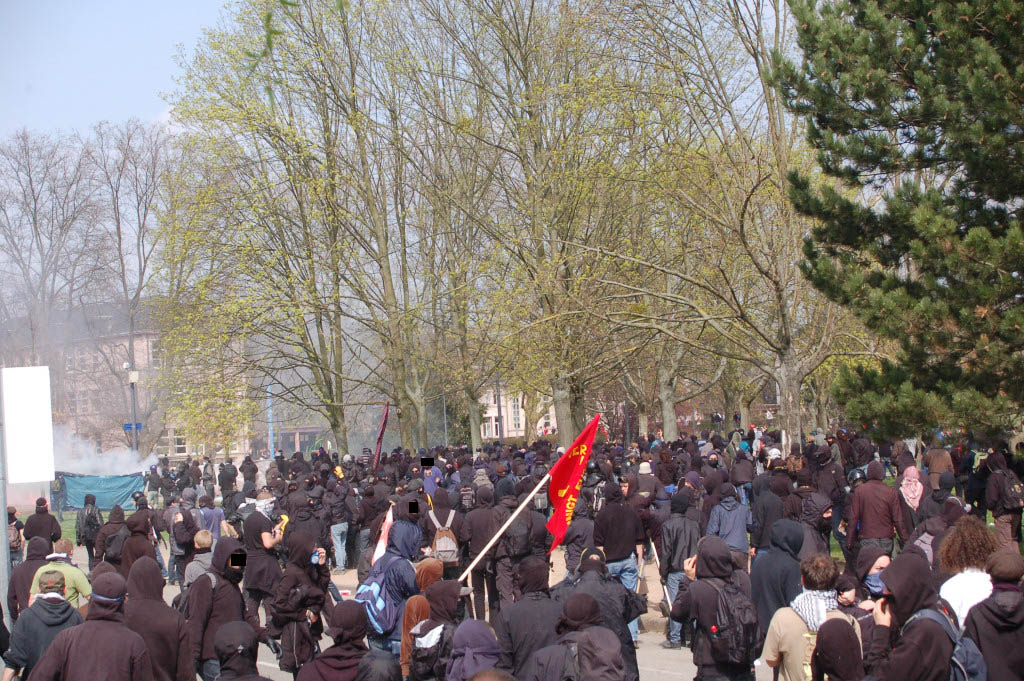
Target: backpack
[(180, 601), (1013, 491), (14, 539), (517, 538), (92, 525), (381, 612), (445, 548), (924, 542), (112, 552), (467, 497), (571, 667), (736, 637), (597, 501), (967, 662), (540, 500)]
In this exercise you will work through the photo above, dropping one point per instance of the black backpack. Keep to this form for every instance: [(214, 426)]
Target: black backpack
[(517, 537), (967, 662), (180, 601), (1013, 491), (467, 497), (92, 525), (115, 544), (736, 637)]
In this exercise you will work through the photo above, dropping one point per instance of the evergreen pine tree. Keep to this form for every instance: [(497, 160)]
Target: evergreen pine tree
[(916, 110)]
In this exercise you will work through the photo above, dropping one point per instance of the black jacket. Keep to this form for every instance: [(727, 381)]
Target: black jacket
[(36, 629), (161, 627), (524, 627), (619, 606), (997, 626), (617, 528), (775, 574), (597, 655), (211, 605), (42, 524), (679, 537)]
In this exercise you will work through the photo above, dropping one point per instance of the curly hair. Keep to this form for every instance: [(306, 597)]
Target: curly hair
[(967, 545)]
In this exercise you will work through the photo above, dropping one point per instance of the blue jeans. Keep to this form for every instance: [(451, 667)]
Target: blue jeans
[(675, 629), (746, 491), (339, 533), (625, 571), (209, 670), (160, 562)]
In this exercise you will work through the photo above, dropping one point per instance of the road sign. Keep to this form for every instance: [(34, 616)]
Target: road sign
[(128, 427)]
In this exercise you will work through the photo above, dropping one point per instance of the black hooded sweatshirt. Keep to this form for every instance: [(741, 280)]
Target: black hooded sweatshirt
[(23, 575), (767, 508), (775, 574), (476, 528), (997, 626), (100, 649), (526, 626), (209, 606), (920, 652), (698, 600), (237, 649), (115, 521), (617, 528), (36, 629), (42, 524), (162, 627), (302, 589)]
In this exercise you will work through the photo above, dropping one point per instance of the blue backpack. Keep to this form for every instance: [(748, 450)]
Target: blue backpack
[(967, 663), (382, 614)]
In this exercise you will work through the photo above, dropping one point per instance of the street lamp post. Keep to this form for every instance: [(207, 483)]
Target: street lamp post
[(501, 421), (444, 413), (133, 379)]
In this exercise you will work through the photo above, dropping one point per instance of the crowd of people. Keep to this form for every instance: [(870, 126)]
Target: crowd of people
[(742, 534)]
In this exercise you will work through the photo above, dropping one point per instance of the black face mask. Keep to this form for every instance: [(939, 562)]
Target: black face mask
[(713, 463), (234, 574)]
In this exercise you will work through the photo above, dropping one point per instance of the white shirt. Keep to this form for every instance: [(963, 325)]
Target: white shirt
[(964, 590)]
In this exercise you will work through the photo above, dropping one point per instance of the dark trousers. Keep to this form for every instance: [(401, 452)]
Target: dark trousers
[(90, 551), (482, 577), (253, 599), (505, 579)]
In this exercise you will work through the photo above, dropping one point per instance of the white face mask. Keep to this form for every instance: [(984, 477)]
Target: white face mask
[(264, 506)]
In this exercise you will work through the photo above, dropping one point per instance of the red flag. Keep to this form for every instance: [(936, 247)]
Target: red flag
[(566, 480), (380, 435)]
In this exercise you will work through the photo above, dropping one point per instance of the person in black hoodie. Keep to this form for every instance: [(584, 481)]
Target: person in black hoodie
[(48, 615), (42, 524), (997, 623), (679, 537), (299, 601), (526, 626), (619, 533), (115, 522), (87, 525), (102, 648), (513, 546), (708, 572), (1005, 512), (22, 576), (237, 650), (619, 605), (922, 650), (578, 537), (162, 627), (214, 599), (775, 574), (476, 531), (816, 517), (766, 509), (580, 625), (348, 625), (433, 637)]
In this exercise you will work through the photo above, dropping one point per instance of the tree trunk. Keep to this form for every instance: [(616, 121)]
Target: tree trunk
[(339, 429), (642, 425), (667, 400), (579, 408), (473, 407), (789, 380), (562, 399)]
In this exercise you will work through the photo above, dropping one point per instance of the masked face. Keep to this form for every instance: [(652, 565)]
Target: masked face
[(874, 584), (235, 568)]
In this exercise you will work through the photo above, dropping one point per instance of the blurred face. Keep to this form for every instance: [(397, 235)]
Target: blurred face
[(880, 564), (624, 486)]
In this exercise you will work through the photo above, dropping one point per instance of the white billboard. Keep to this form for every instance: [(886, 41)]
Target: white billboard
[(27, 424)]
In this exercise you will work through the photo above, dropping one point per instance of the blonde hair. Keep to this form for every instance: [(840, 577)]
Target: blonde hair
[(203, 539)]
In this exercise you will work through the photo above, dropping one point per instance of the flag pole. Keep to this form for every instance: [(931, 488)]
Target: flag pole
[(501, 530)]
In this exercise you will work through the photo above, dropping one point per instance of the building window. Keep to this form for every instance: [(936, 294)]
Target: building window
[(487, 428), (180, 448)]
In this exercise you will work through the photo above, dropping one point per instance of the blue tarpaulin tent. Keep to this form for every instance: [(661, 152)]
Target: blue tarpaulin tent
[(110, 490)]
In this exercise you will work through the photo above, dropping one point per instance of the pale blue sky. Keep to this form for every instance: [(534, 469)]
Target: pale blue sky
[(68, 64)]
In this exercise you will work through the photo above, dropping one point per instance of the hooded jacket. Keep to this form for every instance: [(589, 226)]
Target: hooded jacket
[(100, 649), (527, 625), (729, 520), (618, 605), (921, 651), (138, 544), (19, 588), (994, 494), (115, 521), (433, 637), (303, 588), (211, 606), (42, 524), (617, 528), (697, 600), (161, 627), (997, 626), (766, 509), (399, 575), (36, 629), (679, 534), (815, 525), (237, 648), (341, 661), (476, 527), (875, 512), (775, 574)]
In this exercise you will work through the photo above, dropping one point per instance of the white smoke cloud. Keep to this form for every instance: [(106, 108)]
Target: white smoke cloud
[(74, 455)]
